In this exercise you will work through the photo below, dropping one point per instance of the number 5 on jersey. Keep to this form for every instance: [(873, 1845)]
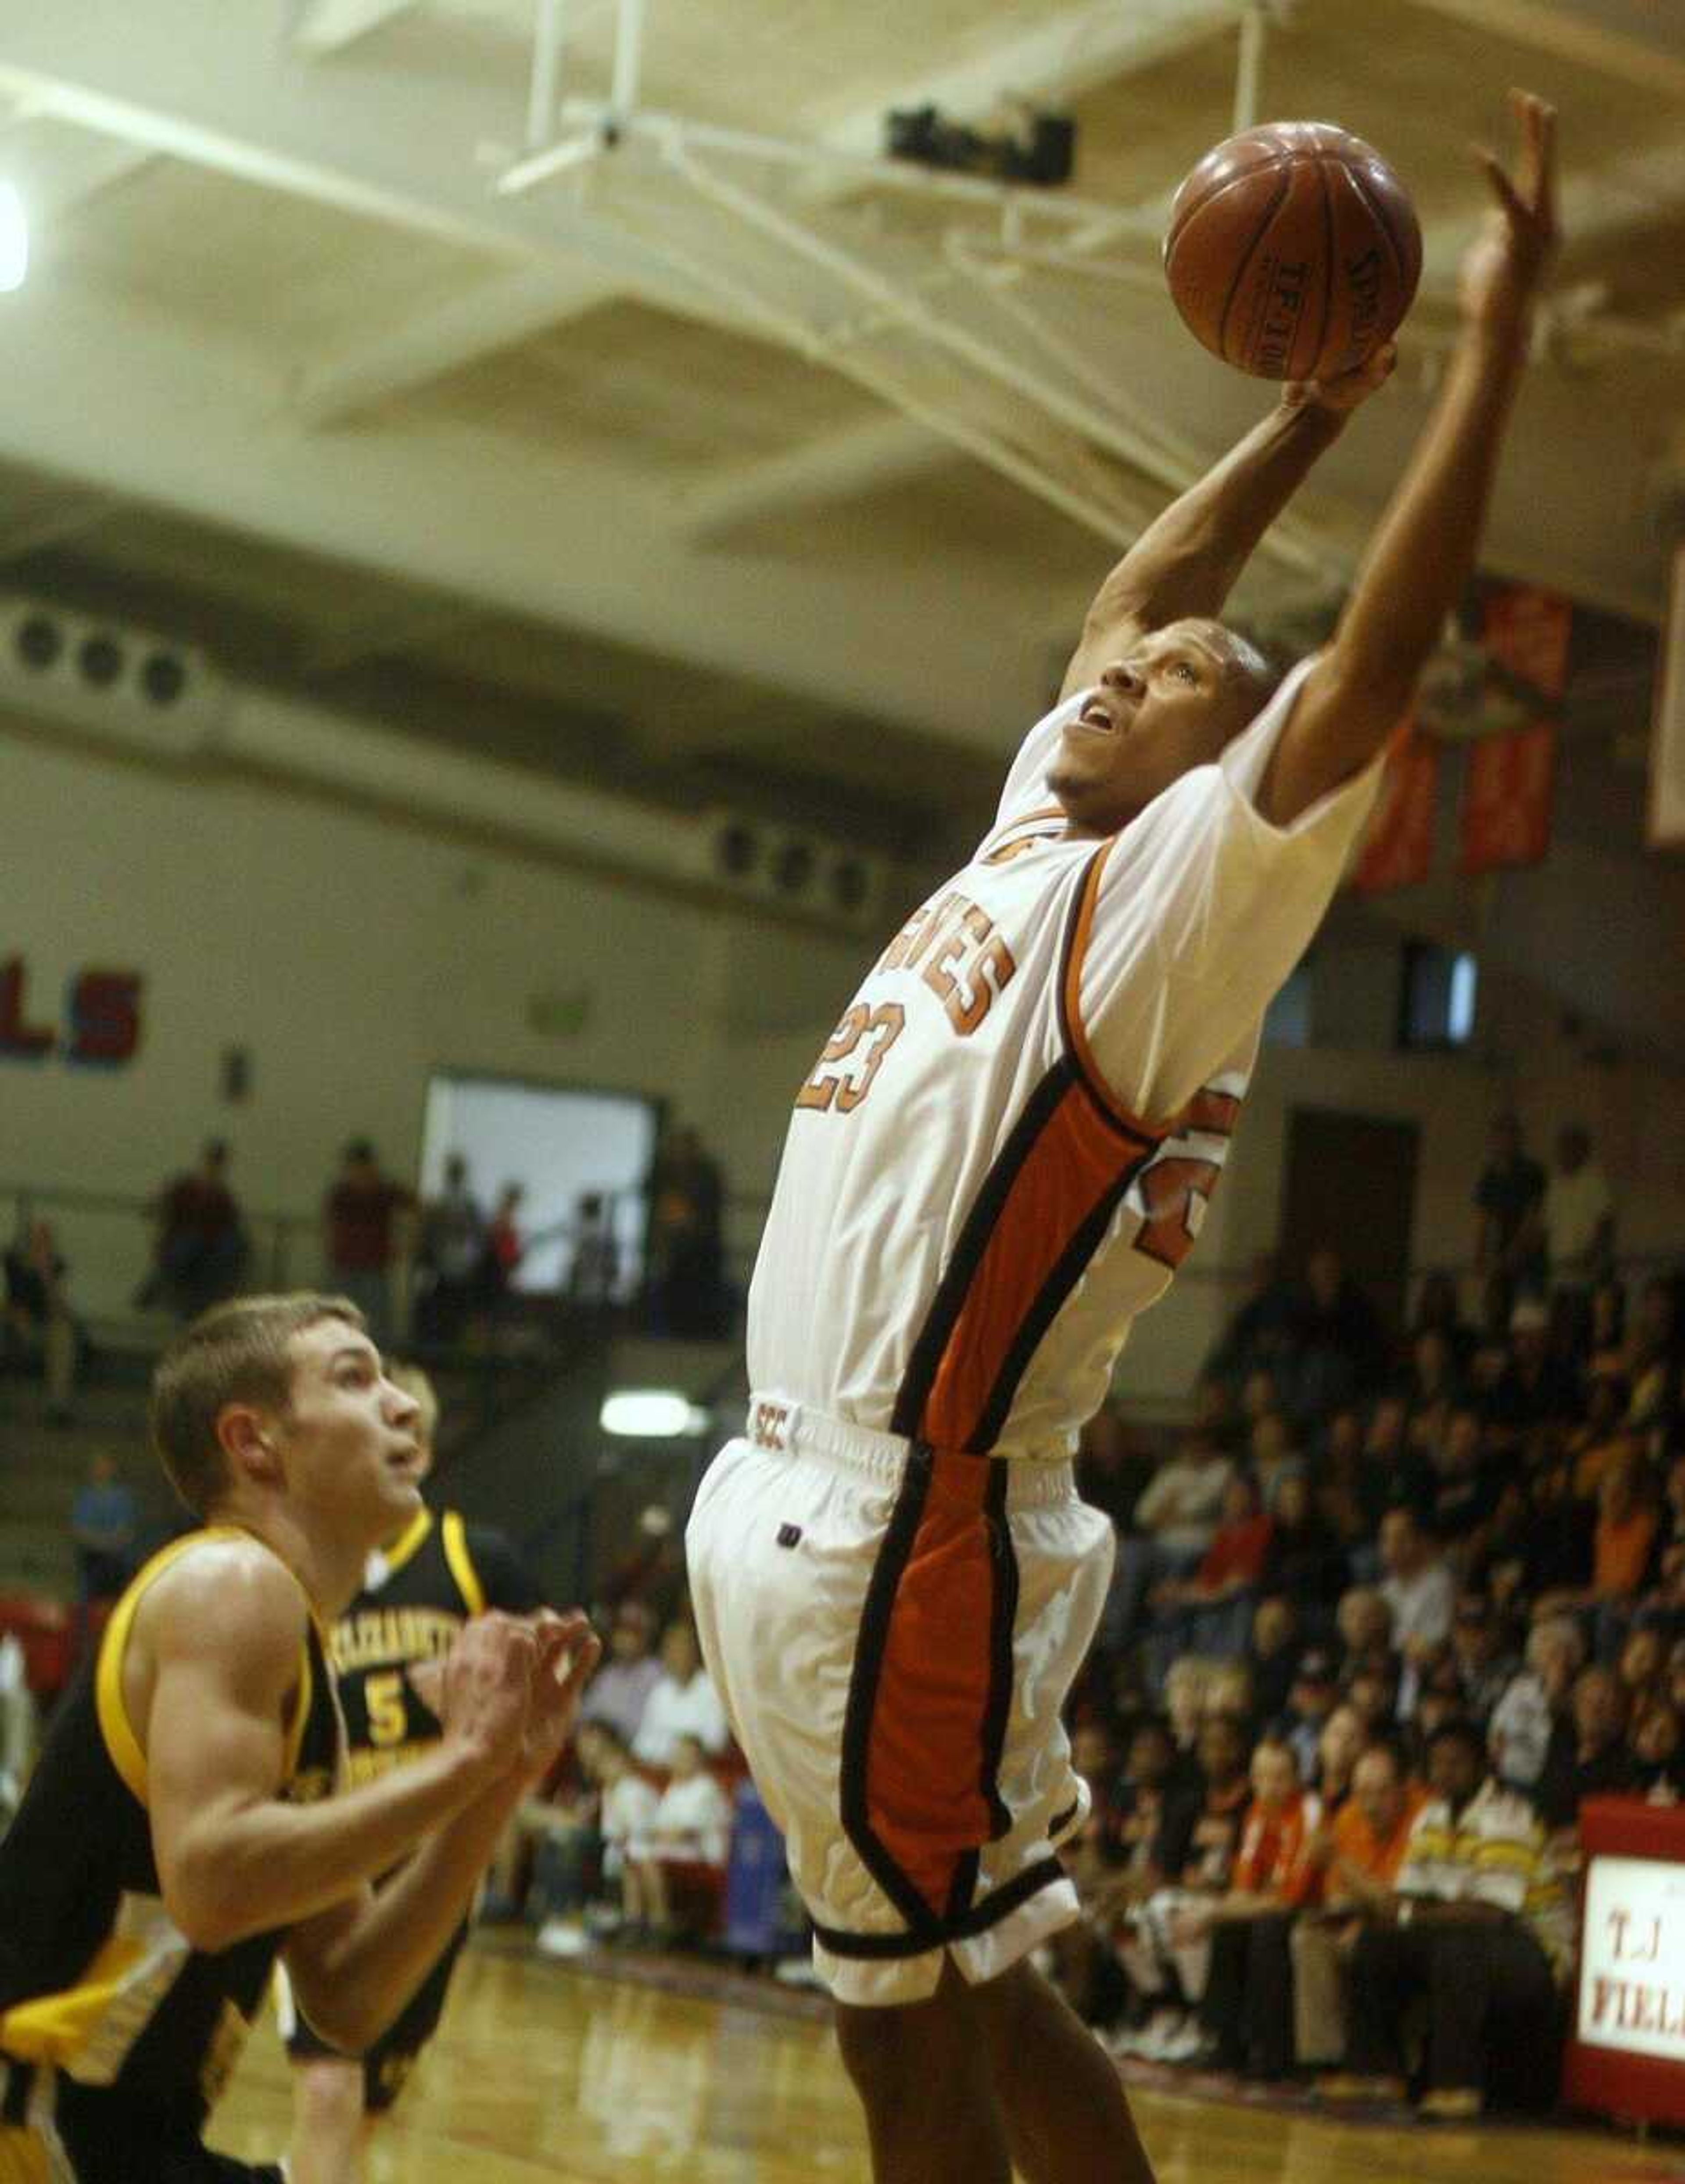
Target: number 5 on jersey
[(844, 1072)]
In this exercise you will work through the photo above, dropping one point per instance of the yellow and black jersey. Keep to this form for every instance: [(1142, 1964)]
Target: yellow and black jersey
[(97, 1986), (417, 1594)]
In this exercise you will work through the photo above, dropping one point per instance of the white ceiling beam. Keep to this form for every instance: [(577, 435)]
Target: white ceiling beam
[(320, 27), (1559, 28), (494, 316), (72, 516), (885, 451)]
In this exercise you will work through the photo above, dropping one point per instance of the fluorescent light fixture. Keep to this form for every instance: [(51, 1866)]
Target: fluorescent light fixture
[(1460, 1016), (14, 239), (651, 1414)]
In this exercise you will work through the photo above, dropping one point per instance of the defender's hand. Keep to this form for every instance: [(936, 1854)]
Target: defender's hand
[(1507, 259), (1344, 392)]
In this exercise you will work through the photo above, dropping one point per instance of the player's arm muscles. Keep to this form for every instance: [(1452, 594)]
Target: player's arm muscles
[(354, 1967), (1186, 563), (1424, 554), (233, 1857)]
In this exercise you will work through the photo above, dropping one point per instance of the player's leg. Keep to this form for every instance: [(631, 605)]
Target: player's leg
[(330, 2122), (922, 2071), (1067, 2116)]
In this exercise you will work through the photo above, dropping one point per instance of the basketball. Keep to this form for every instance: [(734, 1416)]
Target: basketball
[(1292, 251)]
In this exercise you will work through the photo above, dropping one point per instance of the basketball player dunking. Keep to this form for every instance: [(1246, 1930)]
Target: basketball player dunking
[(418, 1589), (179, 1832), (1000, 1159)]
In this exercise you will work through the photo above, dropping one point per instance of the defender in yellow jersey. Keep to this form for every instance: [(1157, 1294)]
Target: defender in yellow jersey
[(179, 1832)]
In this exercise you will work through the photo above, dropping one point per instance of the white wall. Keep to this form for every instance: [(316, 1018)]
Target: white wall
[(351, 954)]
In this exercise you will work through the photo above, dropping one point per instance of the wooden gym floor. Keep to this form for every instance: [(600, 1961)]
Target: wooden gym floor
[(543, 2071)]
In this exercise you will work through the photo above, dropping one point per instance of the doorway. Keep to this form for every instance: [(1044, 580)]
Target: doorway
[(1350, 1182)]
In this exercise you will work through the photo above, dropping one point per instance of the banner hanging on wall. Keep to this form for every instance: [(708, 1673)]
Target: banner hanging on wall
[(1507, 791), (1398, 851), (1528, 630)]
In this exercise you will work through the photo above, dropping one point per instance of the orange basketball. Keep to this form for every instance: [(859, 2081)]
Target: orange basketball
[(1294, 250)]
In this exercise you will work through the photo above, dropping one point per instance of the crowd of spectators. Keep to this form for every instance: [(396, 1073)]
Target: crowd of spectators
[(1382, 1618)]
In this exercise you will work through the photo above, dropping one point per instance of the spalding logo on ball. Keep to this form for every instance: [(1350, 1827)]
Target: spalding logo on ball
[(1293, 251)]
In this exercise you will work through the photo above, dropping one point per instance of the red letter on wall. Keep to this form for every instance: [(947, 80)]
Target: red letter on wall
[(20, 1041), (105, 1018)]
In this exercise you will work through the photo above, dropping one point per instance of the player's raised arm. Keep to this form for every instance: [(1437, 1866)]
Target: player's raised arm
[(1425, 552), (1186, 563)]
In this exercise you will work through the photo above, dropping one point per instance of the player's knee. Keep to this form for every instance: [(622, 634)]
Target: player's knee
[(904, 2061), (331, 2095)]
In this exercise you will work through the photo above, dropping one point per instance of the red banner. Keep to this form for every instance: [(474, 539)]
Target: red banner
[(1527, 630), (1506, 798), (1397, 850)]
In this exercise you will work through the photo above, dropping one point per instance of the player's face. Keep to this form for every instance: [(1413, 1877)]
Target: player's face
[(349, 1443), (1172, 703)]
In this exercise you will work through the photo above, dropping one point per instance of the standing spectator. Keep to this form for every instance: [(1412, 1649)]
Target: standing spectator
[(360, 1213), (38, 1321), (201, 1251), (594, 1271), (1176, 1519), (1478, 1923), (619, 1692), (104, 1519), (1509, 1250), (1579, 1233), (500, 1254), (1340, 1344), (682, 1702), (1360, 1854), (686, 1241), (452, 1243)]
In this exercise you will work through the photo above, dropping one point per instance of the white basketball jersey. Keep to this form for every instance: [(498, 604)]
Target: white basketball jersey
[(1006, 1148)]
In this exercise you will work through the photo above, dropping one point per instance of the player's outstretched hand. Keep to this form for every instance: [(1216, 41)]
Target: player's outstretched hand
[(1345, 390), (485, 1693), (569, 1650), (1507, 257)]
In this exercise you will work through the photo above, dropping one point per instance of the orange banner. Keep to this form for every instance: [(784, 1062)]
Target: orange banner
[(1527, 629), (1398, 851), (1506, 798)]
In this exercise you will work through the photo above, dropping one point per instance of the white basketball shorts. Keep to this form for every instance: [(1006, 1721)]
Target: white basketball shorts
[(893, 1631)]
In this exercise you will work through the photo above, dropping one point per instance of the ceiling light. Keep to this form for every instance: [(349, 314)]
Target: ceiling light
[(14, 239), (651, 1414)]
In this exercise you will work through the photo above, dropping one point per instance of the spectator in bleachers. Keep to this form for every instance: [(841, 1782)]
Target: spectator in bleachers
[(1578, 1216), (682, 1702), (361, 1212), (1273, 1455), (1418, 1586), (1643, 1658), (1272, 1653), (1361, 1851), (1654, 1364), (1339, 1344), (1588, 1755), (619, 1692), (1260, 1330), (1525, 1719), (17, 1727), (1137, 1833), (201, 1251), (1658, 1751), (1390, 1474), (1312, 1696), (1462, 1491), (1485, 1662), (1246, 2013), (39, 1324), (566, 1832), (1303, 1561), (1535, 1387), (1627, 1524), (1509, 1237), (1434, 1380), (105, 1520), (1211, 1611), (1340, 1744), (594, 1269), (626, 1807), (1438, 1310), (1113, 1471), (1364, 1621), (686, 1838), (1176, 1519), (687, 1292), (453, 1242), (501, 1253), (651, 1573), (1478, 1925)]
